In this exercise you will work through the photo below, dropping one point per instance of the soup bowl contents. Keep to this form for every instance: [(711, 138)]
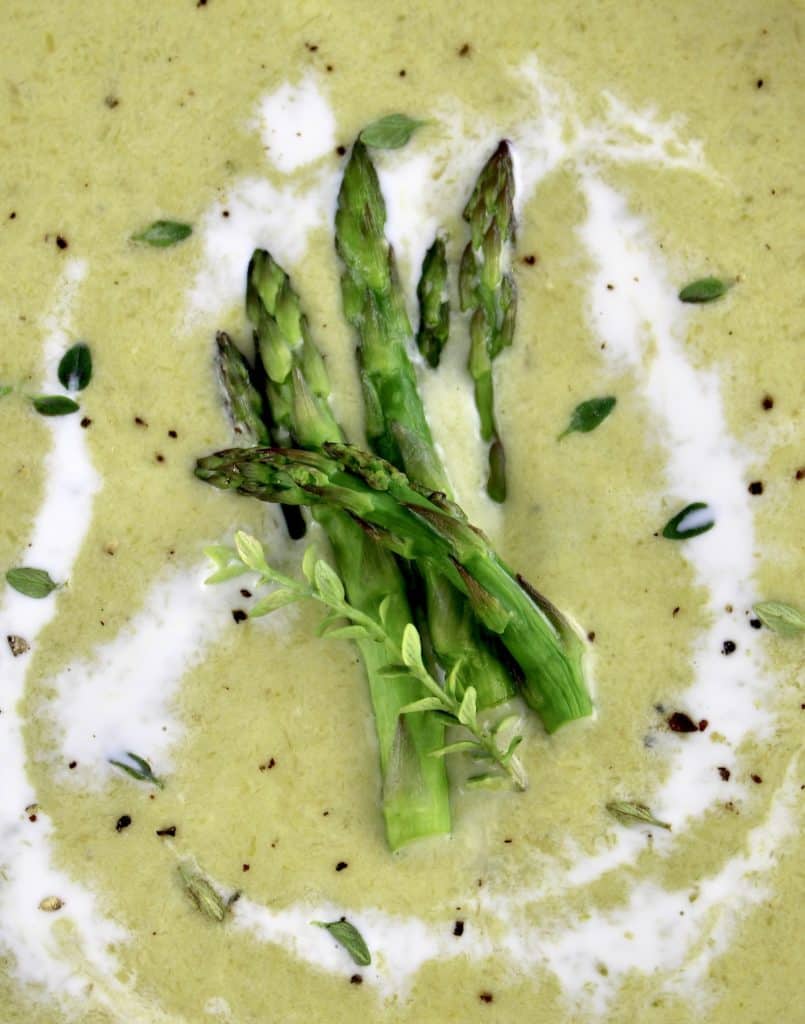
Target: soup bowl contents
[(402, 484)]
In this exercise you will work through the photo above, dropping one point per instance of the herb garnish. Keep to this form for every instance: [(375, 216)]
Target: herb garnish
[(31, 582), (692, 520), (75, 368), (5, 389), (54, 405), (453, 707), (140, 770), (706, 289), (348, 936), (390, 132), (629, 813), (163, 233), (201, 892), (588, 415), (783, 618)]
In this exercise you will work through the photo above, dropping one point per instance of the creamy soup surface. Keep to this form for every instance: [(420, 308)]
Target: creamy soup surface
[(654, 145)]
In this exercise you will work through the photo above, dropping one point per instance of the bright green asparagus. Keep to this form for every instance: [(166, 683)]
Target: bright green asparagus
[(396, 425), (251, 421), (434, 304), (489, 292), (428, 527), (415, 791)]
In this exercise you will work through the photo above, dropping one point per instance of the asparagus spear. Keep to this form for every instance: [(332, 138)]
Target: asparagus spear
[(396, 424), (418, 525), (490, 293), (415, 791), (434, 304), (249, 418)]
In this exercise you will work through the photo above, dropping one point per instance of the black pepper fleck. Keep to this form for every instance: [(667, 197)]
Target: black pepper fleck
[(729, 647), (246, 867), (123, 822), (140, 421), (755, 623), (768, 402), (12, 215), (486, 997), (724, 772), (800, 473), (245, 593), (111, 102), (458, 929), (239, 615), (341, 865), (356, 979), (703, 723), (61, 241), (530, 260), (159, 457), (401, 72), (72, 764), (756, 487), (464, 51), (680, 722), (173, 434), (756, 779), (759, 83), (85, 422), (169, 831), (675, 612), (341, 150), (591, 636)]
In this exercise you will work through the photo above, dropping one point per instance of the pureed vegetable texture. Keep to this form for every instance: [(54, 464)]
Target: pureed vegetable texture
[(285, 789)]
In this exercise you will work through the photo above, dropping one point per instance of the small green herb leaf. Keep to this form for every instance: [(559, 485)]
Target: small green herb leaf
[(205, 898), (704, 290), (588, 415), (163, 233), (272, 602), (250, 551), (31, 582), (140, 769), (75, 368), (226, 561), (348, 633), (467, 711), (348, 936), (390, 132), (458, 747), (328, 583), (628, 813), (411, 647), (309, 560), (689, 522), (783, 618), (54, 405), (425, 704)]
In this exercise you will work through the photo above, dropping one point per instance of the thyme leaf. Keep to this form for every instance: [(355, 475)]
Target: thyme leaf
[(202, 894), (54, 405), (588, 415), (163, 233), (705, 289), (31, 582), (390, 132), (783, 618), (690, 521), (75, 367), (629, 813), (348, 936), (140, 769)]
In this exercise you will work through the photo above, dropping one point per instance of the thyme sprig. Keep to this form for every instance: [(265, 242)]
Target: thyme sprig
[(456, 707)]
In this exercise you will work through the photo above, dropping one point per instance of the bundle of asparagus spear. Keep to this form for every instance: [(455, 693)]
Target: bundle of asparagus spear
[(445, 628)]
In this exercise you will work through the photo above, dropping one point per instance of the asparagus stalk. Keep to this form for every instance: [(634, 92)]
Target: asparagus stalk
[(415, 790), (418, 525), (490, 293), (434, 304), (396, 425), (250, 420)]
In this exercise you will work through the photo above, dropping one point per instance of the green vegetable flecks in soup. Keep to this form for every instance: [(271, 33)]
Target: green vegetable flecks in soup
[(348, 936), (706, 289), (163, 233), (31, 582), (390, 132), (54, 405), (783, 618)]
